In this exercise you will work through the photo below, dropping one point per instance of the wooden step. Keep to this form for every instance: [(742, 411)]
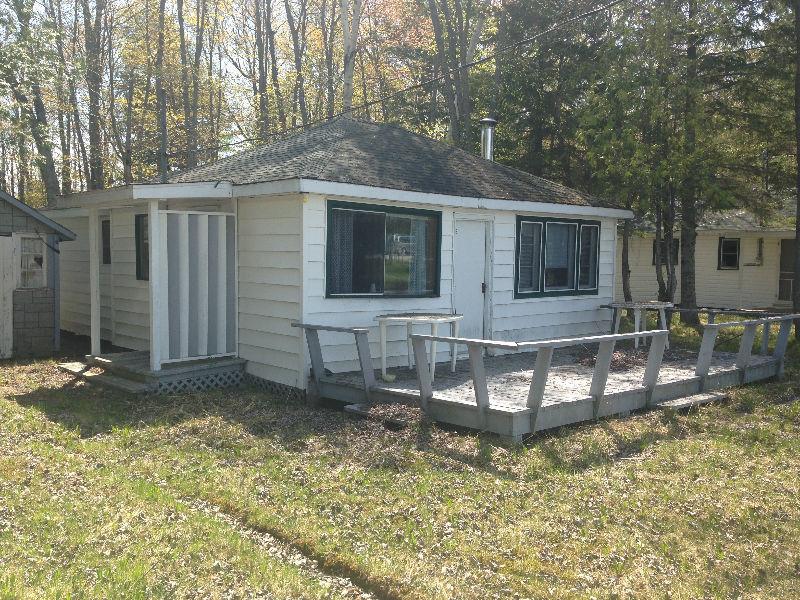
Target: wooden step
[(83, 371), (689, 401)]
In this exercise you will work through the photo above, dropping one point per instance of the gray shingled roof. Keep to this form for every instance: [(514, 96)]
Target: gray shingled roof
[(57, 228), (739, 219), (346, 150)]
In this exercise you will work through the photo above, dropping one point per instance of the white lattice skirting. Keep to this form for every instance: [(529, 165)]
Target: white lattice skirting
[(202, 382), (279, 390)]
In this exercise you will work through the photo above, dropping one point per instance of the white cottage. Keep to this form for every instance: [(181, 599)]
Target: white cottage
[(741, 261), (335, 226)]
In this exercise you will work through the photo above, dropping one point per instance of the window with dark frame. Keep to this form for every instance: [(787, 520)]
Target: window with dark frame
[(142, 248), (382, 251), (105, 240), (728, 257), (556, 257), (676, 251)]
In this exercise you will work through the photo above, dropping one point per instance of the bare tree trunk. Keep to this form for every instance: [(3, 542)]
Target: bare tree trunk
[(297, 30), (796, 288), (627, 230), (261, 76), (350, 27), (161, 97), (443, 64), (689, 193), (187, 111), (93, 39), (273, 60), (328, 29)]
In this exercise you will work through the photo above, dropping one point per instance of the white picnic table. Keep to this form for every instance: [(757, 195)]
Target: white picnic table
[(639, 310), (411, 319)]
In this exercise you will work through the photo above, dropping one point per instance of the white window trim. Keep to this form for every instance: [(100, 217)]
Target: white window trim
[(597, 260)]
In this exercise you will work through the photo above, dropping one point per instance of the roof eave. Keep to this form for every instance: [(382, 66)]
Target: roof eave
[(315, 186)]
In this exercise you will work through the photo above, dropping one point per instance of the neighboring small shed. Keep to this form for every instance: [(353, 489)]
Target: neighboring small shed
[(29, 298)]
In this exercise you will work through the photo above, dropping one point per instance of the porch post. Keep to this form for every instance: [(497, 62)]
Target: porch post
[(94, 280), (157, 256)]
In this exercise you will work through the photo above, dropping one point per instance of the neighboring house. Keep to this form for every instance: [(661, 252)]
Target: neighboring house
[(741, 261), (336, 225), (29, 267)]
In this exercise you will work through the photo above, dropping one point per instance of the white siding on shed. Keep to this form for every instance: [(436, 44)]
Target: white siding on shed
[(750, 286), (270, 287)]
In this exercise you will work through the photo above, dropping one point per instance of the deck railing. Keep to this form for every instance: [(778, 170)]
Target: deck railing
[(606, 343), (544, 355), (315, 352), (750, 329)]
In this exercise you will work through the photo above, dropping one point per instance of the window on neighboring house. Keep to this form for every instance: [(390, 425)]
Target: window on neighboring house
[(728, 253), (105, 240), (556, 257), (676, 251), (32, 265), (142, 248), (382, 251)]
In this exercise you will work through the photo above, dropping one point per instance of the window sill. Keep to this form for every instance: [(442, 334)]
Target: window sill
[(555, 294), (379, 296)]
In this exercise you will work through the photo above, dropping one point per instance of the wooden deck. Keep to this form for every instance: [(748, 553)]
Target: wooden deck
[(526, 387), (566, 398)]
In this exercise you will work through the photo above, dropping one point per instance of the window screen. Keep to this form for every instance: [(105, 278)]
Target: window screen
[(559, 257), (377, 252), (32, 274), (530, 257), (587, 261)]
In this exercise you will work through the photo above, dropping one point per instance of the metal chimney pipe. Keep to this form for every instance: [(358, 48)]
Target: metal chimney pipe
[(487, 138)]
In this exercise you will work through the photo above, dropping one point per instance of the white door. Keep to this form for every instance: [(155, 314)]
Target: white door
[(7, 285), (470, 279)]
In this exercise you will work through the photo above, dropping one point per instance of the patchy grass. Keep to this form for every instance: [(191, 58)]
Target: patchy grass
[(97, 490)]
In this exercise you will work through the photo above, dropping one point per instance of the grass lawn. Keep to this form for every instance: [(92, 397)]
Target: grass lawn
[(199, 495)]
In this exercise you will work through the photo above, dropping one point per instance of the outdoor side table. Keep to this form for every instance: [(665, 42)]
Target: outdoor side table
[(411, 319), (640, 315)]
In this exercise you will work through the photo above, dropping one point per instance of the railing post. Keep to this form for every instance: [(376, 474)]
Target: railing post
[(315, 352), (602, 366), (541, 369), (423, 372), (783, 341), (706, 353), (746, 346), (765, 338), (654, 360), (364, 357), (478, 372)]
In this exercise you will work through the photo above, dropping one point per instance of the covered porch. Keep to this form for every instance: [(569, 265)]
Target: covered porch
[(184, 243)]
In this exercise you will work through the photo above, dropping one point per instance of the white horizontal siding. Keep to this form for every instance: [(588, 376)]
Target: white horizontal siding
[(270, 286), (131, 298), (750, 286)]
